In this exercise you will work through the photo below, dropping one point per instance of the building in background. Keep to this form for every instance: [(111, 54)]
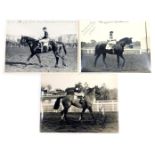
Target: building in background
[(68, 38)]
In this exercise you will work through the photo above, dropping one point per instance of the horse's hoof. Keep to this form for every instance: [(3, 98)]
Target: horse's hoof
[(65, 65), (56, 66)]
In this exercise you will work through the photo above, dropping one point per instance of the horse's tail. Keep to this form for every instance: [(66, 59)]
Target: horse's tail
[(96, 50), (57, 103), (99, 48), (64, 48)]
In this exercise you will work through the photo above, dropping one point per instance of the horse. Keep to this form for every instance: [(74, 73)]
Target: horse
[(100, 49), (85, 103), (54, 46)]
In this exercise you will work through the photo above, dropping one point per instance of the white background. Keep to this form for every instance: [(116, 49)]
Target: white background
[(20, 92)]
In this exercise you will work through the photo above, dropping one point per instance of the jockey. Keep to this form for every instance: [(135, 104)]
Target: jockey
[(44, 41), (111, 42), (81, 96)]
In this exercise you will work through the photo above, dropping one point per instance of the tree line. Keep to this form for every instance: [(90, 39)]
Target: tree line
[(103, 93)]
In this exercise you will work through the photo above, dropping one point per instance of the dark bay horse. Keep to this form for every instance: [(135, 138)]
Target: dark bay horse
[(56, 47), (68, 101), (100, 49)]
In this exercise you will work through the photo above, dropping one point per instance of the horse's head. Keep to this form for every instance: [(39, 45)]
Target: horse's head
[(97, 91), (28, 40), (91, 91), (125, 41), (90, 95), (129, 40), (23, 40)]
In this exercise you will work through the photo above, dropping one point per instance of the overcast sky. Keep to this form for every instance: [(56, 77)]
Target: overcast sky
[(34, 28), (65, 80), (100, 30)]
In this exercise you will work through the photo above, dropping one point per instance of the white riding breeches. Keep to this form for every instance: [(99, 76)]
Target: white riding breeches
[(44, 41), (110, 45)]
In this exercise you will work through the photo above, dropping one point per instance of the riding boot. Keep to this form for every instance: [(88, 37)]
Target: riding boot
[(37, 47), (42, 49), (50, 47), (45, 49)]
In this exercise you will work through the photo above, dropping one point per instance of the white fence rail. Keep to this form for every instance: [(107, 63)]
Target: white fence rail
[(127, 50), (99, 106), (51, 96)]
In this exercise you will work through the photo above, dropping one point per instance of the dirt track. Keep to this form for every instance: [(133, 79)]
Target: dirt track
[(134, 63), (17, 56), (52, 123)]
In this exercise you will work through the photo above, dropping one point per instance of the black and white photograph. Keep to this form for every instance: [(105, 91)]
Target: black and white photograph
[(77, 77), (115, 46), (79, 103), (41, 46)]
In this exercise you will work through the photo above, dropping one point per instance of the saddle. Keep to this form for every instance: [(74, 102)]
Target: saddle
[(110, 46), (43, 47), (82, 101)]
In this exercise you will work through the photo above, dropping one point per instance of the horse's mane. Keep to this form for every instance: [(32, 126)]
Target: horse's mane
[(29, 38), (123, 39), (70, 91), (89, 90)]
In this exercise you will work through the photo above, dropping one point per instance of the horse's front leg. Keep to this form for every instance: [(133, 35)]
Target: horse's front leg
[(123, 60), (91, 112), (28, 59), (62, 57), (65, 114), (118, 62), (37, 55), (57, 59), (63, 60), (62, 114), (104, 56), (97, 56), (81, 116)]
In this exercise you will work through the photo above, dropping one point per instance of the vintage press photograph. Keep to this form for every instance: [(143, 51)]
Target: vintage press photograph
[(79, 103), (118, 46), (41, 46)]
